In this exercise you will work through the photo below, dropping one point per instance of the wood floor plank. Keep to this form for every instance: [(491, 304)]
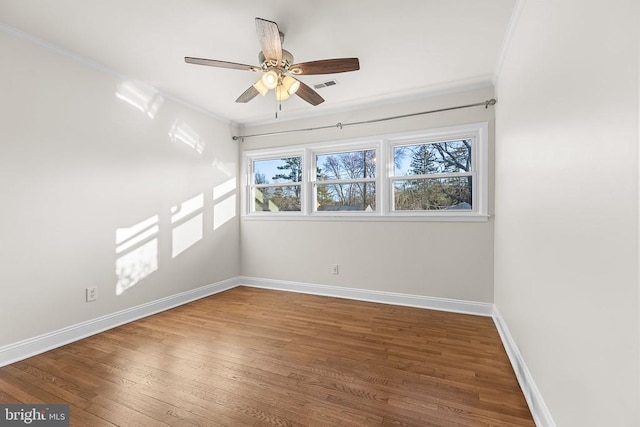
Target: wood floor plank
[(255, 357)]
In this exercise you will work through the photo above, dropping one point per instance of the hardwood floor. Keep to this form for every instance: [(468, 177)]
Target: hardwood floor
[(254, 357)]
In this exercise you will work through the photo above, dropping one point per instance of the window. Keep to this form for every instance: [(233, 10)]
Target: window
[(277, 185), (345, 182), (433, 176), (437, 174)]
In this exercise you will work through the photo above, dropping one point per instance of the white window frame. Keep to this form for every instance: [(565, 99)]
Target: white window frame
[(338, 149), (250, 185), (384, 146), (477, 133)]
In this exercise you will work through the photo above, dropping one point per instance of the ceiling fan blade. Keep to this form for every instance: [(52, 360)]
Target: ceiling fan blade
[(221, 64), (326, 66), (248, 95), (269, 36), (309, 95)]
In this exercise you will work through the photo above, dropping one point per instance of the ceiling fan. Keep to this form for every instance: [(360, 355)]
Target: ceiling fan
[(277, 67)]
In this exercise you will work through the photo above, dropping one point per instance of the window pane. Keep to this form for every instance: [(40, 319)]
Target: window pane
[(352, 165), (359, 196), (277, 199), (283, 170), (442, 157), (432, 194)]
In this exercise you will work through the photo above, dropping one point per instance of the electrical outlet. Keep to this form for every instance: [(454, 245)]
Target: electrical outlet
[(92, 293), (334, 268)]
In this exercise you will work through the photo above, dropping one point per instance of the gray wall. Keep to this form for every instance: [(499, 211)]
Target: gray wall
[(77, 163), (417, 258), (566, 228)]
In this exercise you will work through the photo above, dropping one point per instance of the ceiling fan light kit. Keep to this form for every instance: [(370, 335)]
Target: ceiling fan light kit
[(270, 79), (261, 87), (281, 93), (290, 84), (278, 69)]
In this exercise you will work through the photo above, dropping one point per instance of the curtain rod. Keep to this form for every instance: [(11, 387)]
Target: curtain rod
[(339, 125)]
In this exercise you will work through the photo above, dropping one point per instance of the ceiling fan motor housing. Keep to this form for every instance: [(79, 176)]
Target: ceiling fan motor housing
[(287, 60)]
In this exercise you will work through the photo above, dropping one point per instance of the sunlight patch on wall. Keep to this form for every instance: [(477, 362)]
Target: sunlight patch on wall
[(224, 208), (137, 250), (226, 168), (223, 189), (143, 97), (183, 133), (224, 211), (187, 223)]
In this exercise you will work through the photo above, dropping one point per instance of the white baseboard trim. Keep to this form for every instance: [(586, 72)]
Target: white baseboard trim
[(30, 347), (419, 301), (21, 350), (539, 411)]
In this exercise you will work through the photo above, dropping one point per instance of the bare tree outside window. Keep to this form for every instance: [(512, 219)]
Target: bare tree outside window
[(436, 176), (346, 181)]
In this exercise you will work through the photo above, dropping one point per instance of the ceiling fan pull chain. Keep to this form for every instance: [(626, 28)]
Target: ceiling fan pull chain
[(278, 107)]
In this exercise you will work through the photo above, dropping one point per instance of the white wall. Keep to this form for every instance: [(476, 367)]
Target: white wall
[(566, 228), (78, 163), (416, 258)]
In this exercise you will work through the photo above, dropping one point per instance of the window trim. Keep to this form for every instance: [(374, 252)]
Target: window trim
[(338, 149), (478, 201), (249, 186), (384, 146)]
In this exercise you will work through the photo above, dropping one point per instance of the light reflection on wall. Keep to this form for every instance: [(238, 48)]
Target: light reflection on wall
[(183, 133), (137, 246), (143, 97), (226, 168), (187, 223), (224, 198), (137, 250)]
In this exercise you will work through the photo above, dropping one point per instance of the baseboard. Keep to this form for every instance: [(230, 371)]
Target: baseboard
[(21, 350), (30, 347), (419, 301), (539, 410)]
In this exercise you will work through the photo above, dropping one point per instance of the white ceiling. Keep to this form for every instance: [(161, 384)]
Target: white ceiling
[(406, 47)]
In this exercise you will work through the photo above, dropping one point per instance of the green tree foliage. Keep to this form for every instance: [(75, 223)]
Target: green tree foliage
[(323, 198), (294, 167), (423, 160), (435, 193), (284, 197)]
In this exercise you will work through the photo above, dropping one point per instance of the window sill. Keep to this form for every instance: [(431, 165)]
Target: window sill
[(369, 218)]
